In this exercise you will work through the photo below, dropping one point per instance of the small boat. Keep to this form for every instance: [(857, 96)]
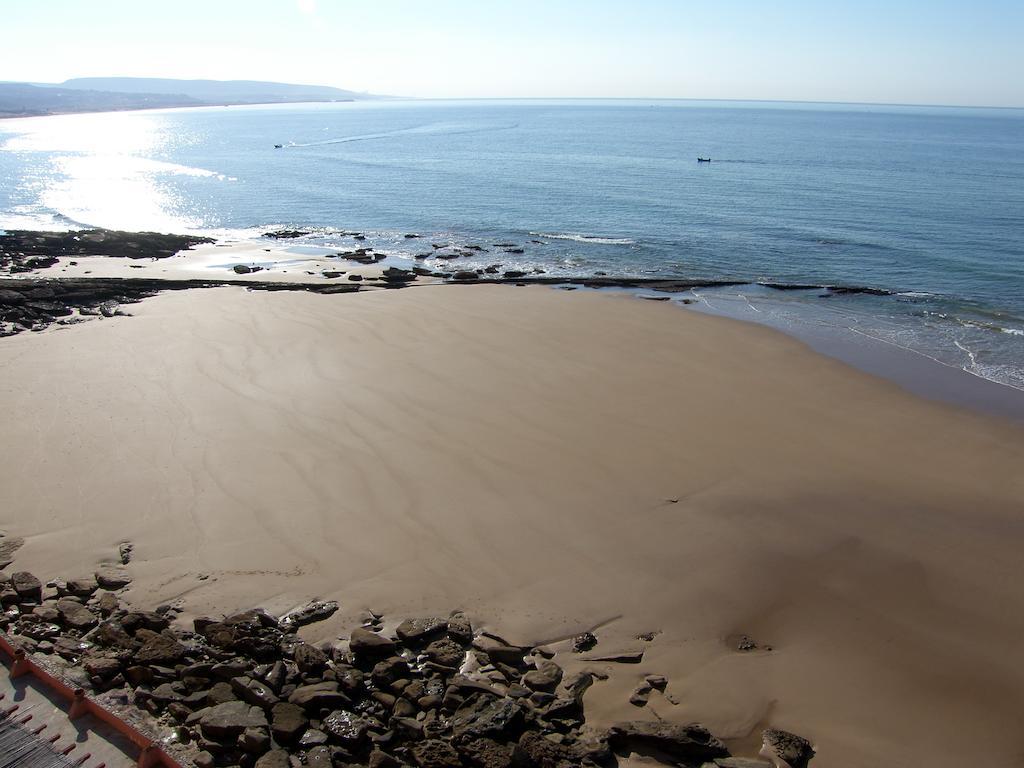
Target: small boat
[(703, 159), (278, 146)]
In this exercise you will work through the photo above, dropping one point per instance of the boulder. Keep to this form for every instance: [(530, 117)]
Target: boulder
[(101, 667), (28, 587), (320, 757), (318, 610), (319, 696), (160, 649), (533, 749), (276, 758), (499, 719), (345, 728), (287, 722), (255, 741), (434, 753), (309, 658), (460, 629), (691, 743), (445, 652), (81, 587), (230, 719), (136, 620), (112, 577), (785, 749), (74, 615), (417, 631), (584, 642), (253, 692), (545, 677), (365, 643), (486, 753)]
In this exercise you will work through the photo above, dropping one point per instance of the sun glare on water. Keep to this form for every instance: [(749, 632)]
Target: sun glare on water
[(98, 170)]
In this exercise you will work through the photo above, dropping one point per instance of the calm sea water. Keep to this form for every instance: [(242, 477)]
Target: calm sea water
[(925, 202)]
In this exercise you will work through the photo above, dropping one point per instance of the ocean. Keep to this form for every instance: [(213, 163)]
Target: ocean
[(923, 205)]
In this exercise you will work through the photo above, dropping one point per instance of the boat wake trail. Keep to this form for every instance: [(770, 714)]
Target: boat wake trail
[(446, 129)]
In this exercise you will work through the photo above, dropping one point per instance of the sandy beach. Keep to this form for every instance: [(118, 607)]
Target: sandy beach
[(550, 463)]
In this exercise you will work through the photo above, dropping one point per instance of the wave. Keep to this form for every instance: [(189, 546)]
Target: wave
[(580, 238)]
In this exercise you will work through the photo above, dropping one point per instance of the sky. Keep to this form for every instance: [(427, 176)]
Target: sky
[(901, 51)]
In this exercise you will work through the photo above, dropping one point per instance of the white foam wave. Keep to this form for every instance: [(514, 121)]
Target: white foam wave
[(580, 238)]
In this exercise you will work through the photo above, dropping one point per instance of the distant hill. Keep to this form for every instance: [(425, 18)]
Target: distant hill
[(22, 99), (103, 94), (217, 91)]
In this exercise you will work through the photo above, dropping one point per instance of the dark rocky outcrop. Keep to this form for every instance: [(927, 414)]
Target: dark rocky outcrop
[(689, 744), (247, 691)]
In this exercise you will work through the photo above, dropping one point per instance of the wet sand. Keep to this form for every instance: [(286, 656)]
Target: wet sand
[(549, 462)]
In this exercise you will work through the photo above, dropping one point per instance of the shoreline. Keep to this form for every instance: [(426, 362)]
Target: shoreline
[(551, 464), (130, 266)]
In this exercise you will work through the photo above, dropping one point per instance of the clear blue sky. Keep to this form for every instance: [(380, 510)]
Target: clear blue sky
[(914, 51)]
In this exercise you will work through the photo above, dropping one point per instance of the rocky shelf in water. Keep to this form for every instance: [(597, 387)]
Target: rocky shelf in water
[(245, 690)]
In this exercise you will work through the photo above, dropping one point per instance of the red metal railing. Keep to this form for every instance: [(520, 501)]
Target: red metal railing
[(151, 754)]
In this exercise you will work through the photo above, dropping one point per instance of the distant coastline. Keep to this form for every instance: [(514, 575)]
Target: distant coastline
[(120, 94)]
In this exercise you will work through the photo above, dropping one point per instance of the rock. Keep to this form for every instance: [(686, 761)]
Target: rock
[(253, 692), (434, 753), (112, 577), (75, 615), (445, 652), (287, 722), (230, 719), (283, 234), (486, 753), (124, 551), (255, 741), (490, 718), (785, 749), (379, 759), (460, 629), (101, 667), (309, 658), (320, 757), (513, 274), (364, 643), (737, 762), (276, 758), (534, 749), (318, 610), (465, 274), (313, 737), (203, 760), (133, 621), (657, 682), (691, 743), (545, 677), (160, 649), (583, 643), (219, 693), (319, 696), (346, 728), (82, 588), (417, 631), (107, 603), (641, 695), (111, 634), (28, 587), (386, 672), (499, 653)]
